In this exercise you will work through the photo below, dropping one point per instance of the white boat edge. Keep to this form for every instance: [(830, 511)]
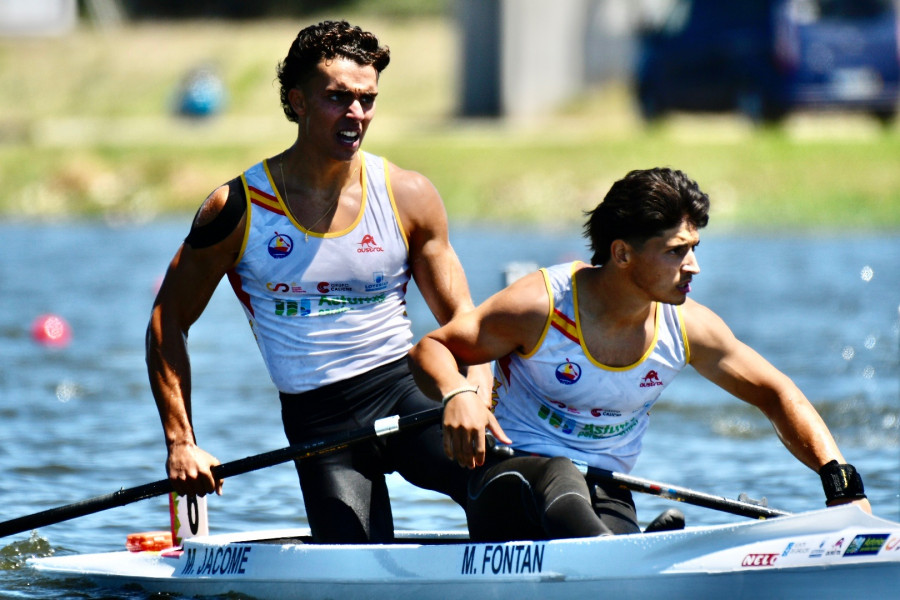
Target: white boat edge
[(830, 553)]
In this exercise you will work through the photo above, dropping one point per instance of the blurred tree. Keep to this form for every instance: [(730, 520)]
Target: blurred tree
[(242, 9)]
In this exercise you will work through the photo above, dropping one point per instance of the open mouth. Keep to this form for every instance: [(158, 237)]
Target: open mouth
[(348, 136)]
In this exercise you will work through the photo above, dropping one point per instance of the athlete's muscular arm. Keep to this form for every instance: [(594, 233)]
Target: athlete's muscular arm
[(435, 266), (726, 361), (510, 320), (190, 281)]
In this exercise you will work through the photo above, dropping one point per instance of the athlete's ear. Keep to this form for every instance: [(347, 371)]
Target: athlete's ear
[(298, 101), (620, 252)]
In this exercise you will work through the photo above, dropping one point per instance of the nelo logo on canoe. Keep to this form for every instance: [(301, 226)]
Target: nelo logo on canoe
[(759, 560)]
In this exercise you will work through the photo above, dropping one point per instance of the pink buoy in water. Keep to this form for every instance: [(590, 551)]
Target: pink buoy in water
[(51, 330)]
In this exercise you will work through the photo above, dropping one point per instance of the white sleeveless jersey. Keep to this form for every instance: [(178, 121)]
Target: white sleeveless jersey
[(324, 307), (559, 401)]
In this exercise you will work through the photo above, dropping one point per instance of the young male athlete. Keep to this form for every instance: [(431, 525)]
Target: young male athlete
[(319, 243), (583, 352)]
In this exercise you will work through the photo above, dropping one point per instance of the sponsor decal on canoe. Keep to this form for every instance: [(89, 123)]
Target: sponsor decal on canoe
[(836, 548), (866, 544), (759, 560), (818, 551), (795, 548), (504, 559), (228, 560), (893, 545)]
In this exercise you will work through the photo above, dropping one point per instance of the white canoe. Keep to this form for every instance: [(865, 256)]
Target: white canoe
[(834, 553)]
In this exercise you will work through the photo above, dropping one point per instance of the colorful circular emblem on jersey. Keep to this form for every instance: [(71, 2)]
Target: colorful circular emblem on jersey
[(568, 373), (280, 245)]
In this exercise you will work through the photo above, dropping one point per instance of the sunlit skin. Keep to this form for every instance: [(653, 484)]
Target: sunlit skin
[(335, 107), (665, 265), (616, 311)]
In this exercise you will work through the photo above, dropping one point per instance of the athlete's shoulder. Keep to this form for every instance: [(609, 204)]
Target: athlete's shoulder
[(219, 215), (704, 326)]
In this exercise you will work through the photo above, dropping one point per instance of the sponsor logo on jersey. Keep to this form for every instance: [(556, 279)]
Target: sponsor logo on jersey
[(565, 407), (281, 287), (602, 432), (325, 305), (326, 287), (651, 379), (368, 244), (568, 372), (379, 282), (605, 412), (280, 245), (564, 424), (556, 420)]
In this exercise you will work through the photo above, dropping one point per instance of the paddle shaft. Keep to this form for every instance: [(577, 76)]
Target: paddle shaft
[(324, 445), (665, 490), (672, 492)]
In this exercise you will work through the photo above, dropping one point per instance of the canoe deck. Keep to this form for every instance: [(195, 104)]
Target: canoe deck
[(834, 553)]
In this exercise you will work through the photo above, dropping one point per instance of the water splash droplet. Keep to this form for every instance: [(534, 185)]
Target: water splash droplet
[(848, 352), (66, 390), (867, 273)]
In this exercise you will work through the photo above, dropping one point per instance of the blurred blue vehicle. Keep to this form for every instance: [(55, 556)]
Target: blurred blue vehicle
[(767, 58)]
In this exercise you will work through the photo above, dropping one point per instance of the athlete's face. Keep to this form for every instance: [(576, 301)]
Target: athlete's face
[(336, 106), (664, 266)]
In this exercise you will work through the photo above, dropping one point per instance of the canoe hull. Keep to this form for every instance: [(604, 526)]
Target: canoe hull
[(834, 553)]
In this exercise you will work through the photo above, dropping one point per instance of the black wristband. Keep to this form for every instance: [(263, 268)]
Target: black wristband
[(841, 482)]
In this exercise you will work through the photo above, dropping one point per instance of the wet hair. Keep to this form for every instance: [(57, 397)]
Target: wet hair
[(643, 205), (326, 41)]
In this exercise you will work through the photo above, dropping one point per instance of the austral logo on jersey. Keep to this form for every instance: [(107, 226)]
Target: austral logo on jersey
[(280, 245), (651, 379), (568, 373), (368, 244)]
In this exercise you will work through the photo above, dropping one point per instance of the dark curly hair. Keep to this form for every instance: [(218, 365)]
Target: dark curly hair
[(643, 205), (327, 40)]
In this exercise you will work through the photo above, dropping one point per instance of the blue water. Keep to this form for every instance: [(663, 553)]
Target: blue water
[(80, 421)]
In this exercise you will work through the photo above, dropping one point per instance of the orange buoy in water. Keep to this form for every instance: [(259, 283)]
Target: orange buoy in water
[(51, 330), (149, 541)]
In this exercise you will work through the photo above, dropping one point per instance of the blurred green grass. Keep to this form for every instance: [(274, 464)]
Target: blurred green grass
[(87, 129)]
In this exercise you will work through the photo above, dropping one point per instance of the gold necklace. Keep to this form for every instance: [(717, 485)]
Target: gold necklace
[(287, 202)]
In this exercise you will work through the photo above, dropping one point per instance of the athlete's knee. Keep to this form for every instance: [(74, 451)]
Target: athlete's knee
[(560, 475)]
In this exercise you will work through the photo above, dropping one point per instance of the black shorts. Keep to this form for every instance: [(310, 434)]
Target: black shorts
[(538, 498), (345, 492)]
